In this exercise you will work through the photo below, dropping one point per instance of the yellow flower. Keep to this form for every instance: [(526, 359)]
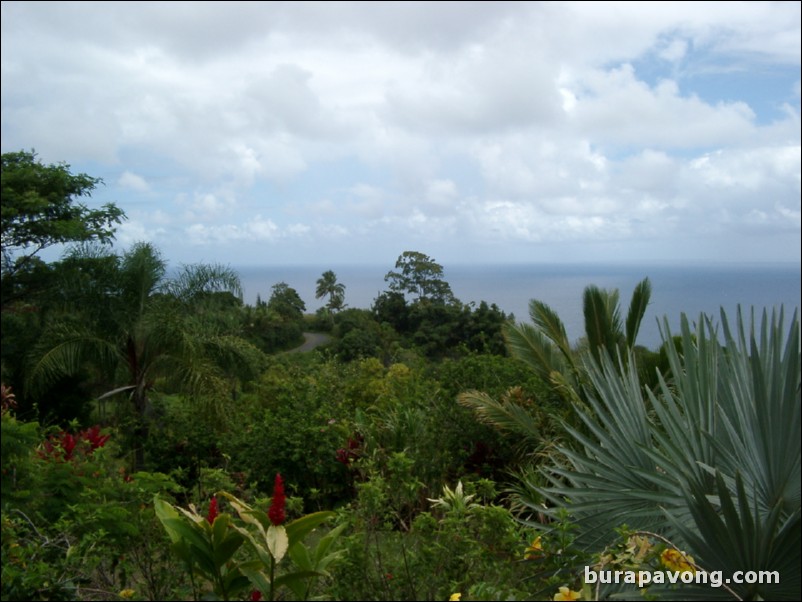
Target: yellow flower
[(675, 560), (566, 593), (455, 597), (638, 547), (127, 593), (535, 549)]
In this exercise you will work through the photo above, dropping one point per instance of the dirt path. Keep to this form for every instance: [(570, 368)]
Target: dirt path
[(312, 340)]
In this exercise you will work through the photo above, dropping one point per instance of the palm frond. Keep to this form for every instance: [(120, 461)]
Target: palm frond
[(712, 459), (530, 345), (550, 324), (637, 309), (598, 323), (64, 351), (734, 535), (141, 274), (504, 415), (197, 279)]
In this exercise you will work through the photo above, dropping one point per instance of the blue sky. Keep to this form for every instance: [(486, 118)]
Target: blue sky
[(317, 133)]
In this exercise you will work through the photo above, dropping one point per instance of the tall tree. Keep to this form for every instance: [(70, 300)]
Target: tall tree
[(419, 275), (40, 209), (286, 302), (327, 285), (134, 327)]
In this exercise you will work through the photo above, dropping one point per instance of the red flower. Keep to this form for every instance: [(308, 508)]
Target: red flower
[(67, 445), (343, 457), (256, 595), (276, 513), (94, 438), (346, 456), (212, 510)]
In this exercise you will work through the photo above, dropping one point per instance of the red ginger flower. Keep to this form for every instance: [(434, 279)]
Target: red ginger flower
[(256, 595), (276, 513), (212, 511), (67, 442), (94, 438)]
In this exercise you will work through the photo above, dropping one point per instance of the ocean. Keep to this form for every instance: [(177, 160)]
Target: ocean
[(676, 289)]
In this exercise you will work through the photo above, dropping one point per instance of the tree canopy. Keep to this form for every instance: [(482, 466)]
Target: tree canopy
[(420, 275), (136, 328), (39, 209), (286, 302)]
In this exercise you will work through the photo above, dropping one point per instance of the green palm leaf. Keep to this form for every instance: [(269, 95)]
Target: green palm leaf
[(711, 459), (637, 308), (533, 347), (505, 415)]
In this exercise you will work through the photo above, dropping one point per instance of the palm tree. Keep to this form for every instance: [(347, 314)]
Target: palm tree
[(327, 285), (135, 327), (709, 460), (544, 346)]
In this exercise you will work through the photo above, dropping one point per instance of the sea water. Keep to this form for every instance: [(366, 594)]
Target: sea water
[(676, 289)]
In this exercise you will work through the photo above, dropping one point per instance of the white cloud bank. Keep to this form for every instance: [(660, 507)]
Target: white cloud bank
[(377, 127)]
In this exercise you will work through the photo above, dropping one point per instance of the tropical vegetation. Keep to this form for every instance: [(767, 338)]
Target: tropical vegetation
[(160, 442)]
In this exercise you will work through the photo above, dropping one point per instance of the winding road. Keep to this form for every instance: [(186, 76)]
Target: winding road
[(312, 340)]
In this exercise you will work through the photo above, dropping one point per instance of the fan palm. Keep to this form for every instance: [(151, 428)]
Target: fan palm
[(712, 460), (134, 325)]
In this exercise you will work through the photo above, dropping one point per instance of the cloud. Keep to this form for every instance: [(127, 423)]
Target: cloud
[(675, 50), (614, 107), (133, 181), (389, 123), (497, 85), (135, 230)]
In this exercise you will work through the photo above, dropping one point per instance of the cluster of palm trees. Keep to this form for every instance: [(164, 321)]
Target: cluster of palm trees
[(137, 327)]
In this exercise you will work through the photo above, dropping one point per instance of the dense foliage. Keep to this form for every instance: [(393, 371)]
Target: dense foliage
[(40, 209), (161, 441)]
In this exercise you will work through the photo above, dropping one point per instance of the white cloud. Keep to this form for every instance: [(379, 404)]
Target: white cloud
[(403, 122), (262, 229), (674, 50), (135, 230), (133, 181), (441, 193), (617, 108)]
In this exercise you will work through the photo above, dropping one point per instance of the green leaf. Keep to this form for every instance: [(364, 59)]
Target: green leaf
[(226, 540), (253, 571), (325, 543), (298, 529), (296, 580), (300, 556), (165, 511)]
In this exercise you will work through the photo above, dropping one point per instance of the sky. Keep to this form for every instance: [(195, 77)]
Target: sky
[(282, 133)]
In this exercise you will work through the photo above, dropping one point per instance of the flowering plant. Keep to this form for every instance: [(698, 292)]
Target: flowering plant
[(271, 540), (207, 545), (64, 446)]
